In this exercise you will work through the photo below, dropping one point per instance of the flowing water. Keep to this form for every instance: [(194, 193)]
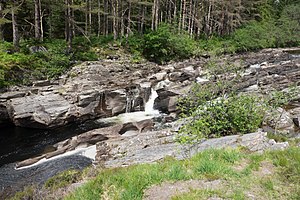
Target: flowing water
[(18, 144)]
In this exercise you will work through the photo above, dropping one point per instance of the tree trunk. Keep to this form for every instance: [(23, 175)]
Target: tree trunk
[(114, 7), (37, 20), (207, 23), (105, 27), (122, 19), (156, 14), (183, 14), (16, 37), (153, 15), (128, 31), (1, 28), (68, 23), (90, 17), (72, 22), (175, 12), (180, 17), (99, 18), (144, 10)]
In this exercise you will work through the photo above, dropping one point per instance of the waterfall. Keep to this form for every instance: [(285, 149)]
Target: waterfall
[(149, 106), (149, 112), (129, 104)]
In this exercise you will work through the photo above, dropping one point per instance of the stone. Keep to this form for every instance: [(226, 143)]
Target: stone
[(28, 162), (41, 83), (155, 145), (295, 114), (39, 111), (159, 76), (202, 80), (13, 94), (165, 102), (116, 101), (35, 49), (279, 121)]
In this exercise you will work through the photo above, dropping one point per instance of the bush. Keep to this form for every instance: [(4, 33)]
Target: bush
[(288, 33), (223, 116), (218, 45), (256, 35), (166, 44)]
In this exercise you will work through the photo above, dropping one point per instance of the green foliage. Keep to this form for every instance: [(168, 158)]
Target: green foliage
[(84, 49), (199, 94), (218, 45), (134, 44), (255, 35), (240, 173), (209, 113), (223, 116), (272, 31), (288, 33), (63, 179), (24, 67), (282, 98), (166, 44)]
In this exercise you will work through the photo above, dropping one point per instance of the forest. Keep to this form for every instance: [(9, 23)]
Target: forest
[(42, 38)]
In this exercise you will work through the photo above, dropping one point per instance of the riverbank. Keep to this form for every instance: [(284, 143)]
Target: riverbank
[(89, 86)]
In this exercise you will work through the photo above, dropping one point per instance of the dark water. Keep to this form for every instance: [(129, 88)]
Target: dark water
[(12, 180), (17, 144)]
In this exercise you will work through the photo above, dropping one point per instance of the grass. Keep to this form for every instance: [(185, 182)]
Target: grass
[(242, 174), (131, 182), (63, 179)]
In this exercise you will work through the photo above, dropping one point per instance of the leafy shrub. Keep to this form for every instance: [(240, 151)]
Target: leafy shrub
[(288, 33), (218, 45), (166, 44), (256, 35), (223, 116), (199, 94)]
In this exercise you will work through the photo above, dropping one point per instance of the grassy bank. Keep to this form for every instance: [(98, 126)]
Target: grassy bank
[(271, 175)]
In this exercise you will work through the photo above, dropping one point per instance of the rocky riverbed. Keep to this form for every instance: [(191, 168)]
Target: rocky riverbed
[(101, 91)]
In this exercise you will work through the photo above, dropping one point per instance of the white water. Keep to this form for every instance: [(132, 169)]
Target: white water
[(149, 112), (90, 151), (149, 106)]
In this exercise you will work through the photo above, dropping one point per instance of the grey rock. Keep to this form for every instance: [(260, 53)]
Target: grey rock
[(279, 121), (153, 146), (39, 111), (13, 94), (35, 49)]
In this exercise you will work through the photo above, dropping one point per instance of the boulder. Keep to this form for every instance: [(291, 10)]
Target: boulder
[(166, 101), (279, 121), (40, 111), (295, 114)]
